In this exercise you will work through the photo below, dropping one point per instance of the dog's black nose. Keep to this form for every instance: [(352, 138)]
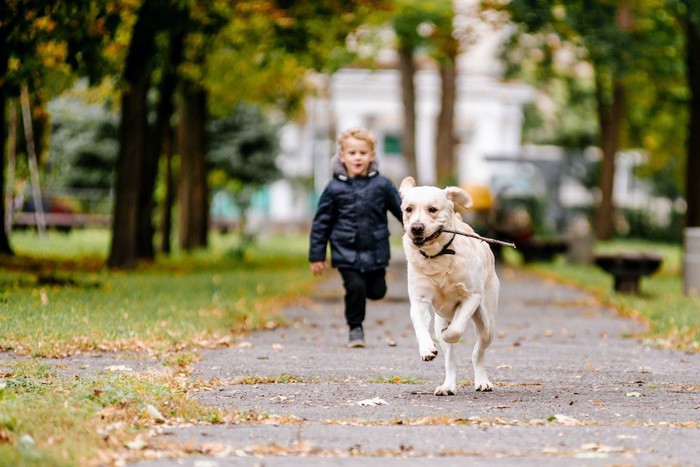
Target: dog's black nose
[(417, 228)]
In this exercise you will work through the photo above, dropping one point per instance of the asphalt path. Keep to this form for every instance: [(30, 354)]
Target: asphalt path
[(571, 388)]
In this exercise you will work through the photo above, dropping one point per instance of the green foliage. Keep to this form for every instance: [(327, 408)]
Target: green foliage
[(642, 224), (244, 146), (315, 32), (265, 52), (46, 40), (84, 146), (243, 149), (425, 26)]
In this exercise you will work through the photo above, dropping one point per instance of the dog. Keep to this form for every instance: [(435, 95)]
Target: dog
[(452, 275)]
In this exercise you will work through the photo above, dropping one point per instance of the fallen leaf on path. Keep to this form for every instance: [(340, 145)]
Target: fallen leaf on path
[(154, 414), (118, 368), (597, 447), (563, 420), (136, 445), (373, 402), (279, 398)]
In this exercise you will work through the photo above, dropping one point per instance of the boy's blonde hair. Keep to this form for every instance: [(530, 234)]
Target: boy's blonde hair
[(358, 133)]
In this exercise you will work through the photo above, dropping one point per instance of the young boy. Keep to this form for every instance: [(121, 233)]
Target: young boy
[(352, 215)]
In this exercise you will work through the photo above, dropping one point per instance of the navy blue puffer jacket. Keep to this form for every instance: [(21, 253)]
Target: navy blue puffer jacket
[(352, 215)]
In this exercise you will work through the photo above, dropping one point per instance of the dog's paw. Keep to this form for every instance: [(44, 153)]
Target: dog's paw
[(445, 390), (483, 386), (430, 355)]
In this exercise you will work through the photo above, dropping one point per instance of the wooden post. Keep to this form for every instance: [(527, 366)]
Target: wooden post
[(33, 165), (11, 168)]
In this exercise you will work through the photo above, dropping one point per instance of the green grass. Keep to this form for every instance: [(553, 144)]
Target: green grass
[(47, 420), (57, 297), (54, 301), (674, 319)]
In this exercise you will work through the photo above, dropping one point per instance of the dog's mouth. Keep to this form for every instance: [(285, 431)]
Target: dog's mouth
[(420, 240)]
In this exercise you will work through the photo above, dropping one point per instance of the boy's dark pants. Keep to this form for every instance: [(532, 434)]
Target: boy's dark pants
[(360, 286)]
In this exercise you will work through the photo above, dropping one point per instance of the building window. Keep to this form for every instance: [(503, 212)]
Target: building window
[(392, 145)]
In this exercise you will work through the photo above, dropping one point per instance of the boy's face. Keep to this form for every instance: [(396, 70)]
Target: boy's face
[(356, 155)]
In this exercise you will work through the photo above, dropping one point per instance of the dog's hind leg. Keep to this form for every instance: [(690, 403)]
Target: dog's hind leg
[(449, 387), (484, 326)]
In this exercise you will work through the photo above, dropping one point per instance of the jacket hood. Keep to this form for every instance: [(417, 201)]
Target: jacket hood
[(341, 172)]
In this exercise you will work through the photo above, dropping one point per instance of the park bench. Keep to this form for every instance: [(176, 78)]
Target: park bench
[(541, 249), (628, 268), (62, 220)]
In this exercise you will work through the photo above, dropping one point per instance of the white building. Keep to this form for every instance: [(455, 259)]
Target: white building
[(488, 121)]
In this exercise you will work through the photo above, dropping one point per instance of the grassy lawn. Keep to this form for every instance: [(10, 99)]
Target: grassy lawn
[(57, 298), (673, 318)]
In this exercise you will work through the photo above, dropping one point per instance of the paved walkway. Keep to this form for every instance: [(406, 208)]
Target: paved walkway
[(570, 390)]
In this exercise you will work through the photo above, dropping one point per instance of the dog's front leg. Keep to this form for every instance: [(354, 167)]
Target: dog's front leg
[(456, 329), (420, 316), (449, 387)]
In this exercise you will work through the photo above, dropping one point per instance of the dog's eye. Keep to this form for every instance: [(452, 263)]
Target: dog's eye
[(432, 209), (408, 210)]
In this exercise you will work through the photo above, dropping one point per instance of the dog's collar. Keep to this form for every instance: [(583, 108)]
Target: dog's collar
[(446, 250)]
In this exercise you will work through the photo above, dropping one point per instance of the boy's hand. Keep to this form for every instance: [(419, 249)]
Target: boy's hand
[(317, 267)]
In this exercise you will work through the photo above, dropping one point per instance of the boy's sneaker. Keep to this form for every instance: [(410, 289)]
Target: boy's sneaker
[(357, 338)]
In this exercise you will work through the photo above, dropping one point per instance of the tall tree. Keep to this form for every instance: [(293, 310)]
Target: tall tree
[(427, 28), (41, 46), (446, 47), (5, 248), (193, 191), (133, 137), (406, 20), (142, 143), (605, 33), (688, 12)]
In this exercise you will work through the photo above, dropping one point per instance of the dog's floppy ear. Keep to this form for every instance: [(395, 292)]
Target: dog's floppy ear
[(459, 197), (406, 184)]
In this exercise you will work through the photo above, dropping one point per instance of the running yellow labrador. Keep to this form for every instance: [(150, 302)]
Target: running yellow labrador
[(449, 274)]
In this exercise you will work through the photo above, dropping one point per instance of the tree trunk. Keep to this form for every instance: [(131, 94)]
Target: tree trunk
[(610, 119), (5, 248), (169, 197), (408, 95), (133, 150), (194, 205), (445, 143), (164, 114), (692, 187)]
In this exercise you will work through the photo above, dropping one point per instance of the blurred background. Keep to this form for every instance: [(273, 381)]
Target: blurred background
[(162, 120)]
